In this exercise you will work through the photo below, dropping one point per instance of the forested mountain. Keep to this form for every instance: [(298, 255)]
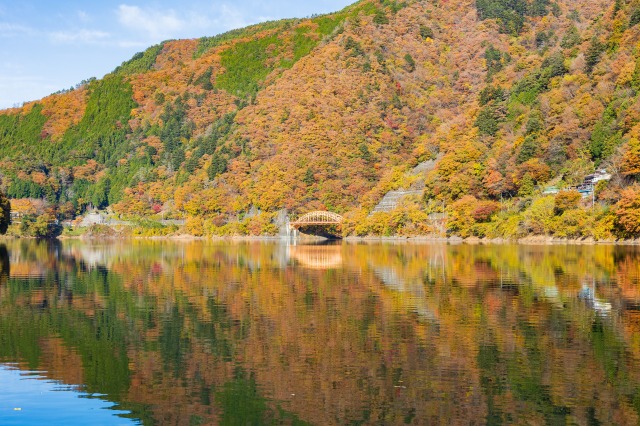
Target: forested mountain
[(328, 112)]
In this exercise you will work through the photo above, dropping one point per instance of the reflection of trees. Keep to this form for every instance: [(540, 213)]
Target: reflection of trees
[(398, 332), (5, 264)]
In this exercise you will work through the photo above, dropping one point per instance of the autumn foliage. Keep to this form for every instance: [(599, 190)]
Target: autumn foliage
[(628, 211), (322, 113)]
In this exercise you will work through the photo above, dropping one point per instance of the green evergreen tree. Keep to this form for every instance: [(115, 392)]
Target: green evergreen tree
[(571, 38), (488, 120), (205, 79), (218, 165), (365, 154), (426, 32), (593, 53), (308, 177), (491, 93), (5, 213), (411, 63), (380, 18), (529, 149), (634, 19), (527, 186), (494, 59), (635, 80), (617, 5)]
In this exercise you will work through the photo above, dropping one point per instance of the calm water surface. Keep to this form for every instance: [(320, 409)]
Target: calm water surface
[(257, 333)]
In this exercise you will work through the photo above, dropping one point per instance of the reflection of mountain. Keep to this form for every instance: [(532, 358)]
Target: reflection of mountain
[(399, 276), (30, 260), (208, 332), (317, 256)]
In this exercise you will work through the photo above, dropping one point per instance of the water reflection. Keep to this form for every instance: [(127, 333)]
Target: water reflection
[(588, 294), (251, 333), (316, 256), (5, 264)]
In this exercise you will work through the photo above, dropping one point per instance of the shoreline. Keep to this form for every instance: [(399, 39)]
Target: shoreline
[(529, 240), (453, 240)]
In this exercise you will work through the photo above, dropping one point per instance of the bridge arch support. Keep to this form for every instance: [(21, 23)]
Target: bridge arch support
[(317, 218)]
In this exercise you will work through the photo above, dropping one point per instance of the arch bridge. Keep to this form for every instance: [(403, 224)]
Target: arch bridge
[(317, 218)]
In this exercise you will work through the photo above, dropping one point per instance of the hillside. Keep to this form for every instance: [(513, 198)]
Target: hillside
[(329, 112)]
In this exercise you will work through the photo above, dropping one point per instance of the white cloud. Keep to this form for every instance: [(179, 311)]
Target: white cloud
[(83, 16), (8, 29), (231, 18), (81, 36), (156, 24)]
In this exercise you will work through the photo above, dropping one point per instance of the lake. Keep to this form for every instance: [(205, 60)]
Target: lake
[(247, 333)]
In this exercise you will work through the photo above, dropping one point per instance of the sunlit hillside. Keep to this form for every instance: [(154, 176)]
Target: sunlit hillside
[(330, 112)]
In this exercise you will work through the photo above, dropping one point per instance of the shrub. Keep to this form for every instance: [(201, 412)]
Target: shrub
[(42, 226), (538, 217), (573, 223), (566, 200), (100, 231), (505, 225), (194, 225), (604, 225)]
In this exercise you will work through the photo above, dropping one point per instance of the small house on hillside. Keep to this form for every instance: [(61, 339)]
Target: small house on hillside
[(596, 177), (590, 181)]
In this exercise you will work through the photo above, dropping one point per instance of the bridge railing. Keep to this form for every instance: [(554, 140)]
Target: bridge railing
[(318, 217)]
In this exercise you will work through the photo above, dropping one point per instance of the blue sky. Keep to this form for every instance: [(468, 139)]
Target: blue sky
[(49, 45)]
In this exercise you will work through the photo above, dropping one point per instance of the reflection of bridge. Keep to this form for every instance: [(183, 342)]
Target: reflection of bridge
[(317, 218), (317, 257)]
